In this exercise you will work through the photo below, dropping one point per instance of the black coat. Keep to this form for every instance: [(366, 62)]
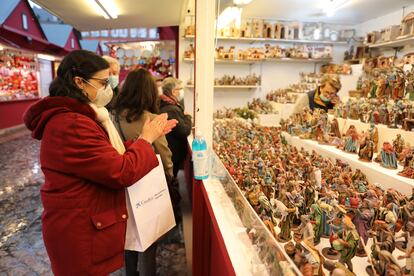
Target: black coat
[(177, 138)]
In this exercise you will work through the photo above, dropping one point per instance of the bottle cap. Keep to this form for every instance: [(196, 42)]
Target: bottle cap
[(198, 133)]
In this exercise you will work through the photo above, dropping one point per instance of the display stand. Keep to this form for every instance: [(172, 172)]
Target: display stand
[(285, 110), (385, 134), (385, 178)]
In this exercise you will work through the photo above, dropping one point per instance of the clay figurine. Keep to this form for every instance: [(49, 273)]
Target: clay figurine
[(306, 229), (388, 156), (351, 140), (349, 243), (366, 149), (316, 216)]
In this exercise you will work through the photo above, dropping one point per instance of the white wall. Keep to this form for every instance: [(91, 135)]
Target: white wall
[(382, 22)]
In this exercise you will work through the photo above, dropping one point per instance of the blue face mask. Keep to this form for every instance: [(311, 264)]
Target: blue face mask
[(113, 81), (324, 99)]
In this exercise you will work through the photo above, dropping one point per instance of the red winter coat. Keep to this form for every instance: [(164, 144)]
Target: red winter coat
[(84, 217)]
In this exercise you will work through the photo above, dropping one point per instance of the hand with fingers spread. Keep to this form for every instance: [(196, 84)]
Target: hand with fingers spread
[(159, 126)]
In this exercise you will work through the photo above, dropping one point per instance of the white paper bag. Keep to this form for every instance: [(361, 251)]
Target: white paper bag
[(152, 214)]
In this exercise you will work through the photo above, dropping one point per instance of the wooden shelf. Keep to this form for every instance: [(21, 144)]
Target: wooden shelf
[(297, 60), (251, 40), (394, 44), (230, 86)]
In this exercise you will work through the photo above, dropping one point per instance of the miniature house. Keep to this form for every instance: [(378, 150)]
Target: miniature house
[(278, 30), (372, 37), (268, 30), (407, 25), (391, 33)]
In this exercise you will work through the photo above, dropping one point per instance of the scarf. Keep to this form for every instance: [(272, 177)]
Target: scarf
[(102, 115), (168, 99)]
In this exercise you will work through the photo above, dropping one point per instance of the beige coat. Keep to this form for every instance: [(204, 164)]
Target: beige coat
[(133, 130)]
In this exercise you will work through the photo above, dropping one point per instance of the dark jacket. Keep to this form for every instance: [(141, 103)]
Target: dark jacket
[(111, 104), (177, 138), (84, 217), (313, 101)]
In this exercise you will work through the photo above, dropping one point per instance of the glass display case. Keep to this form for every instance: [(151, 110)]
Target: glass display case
[(266, 254)]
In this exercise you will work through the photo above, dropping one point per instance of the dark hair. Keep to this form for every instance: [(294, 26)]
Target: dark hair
[(78, 63), (139, 93)]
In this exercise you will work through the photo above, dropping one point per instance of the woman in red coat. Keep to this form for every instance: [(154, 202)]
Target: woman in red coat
[(86, 167)]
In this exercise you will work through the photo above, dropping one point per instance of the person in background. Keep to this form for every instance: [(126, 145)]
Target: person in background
[(138, 102), (87, 167), (173, 93), (114, 70), (159, 85), (324, 97)]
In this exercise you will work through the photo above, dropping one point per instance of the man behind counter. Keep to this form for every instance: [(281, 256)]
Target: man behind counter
[(324, 97)]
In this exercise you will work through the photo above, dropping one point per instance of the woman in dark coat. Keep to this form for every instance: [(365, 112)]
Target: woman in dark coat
[(86, 168), (173, 93)]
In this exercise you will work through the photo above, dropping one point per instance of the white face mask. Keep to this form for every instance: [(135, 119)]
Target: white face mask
[(103, 95), (113, 81), (181, 95)]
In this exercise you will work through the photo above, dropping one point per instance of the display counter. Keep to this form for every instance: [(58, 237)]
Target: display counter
[(11, 112), (228, 236)]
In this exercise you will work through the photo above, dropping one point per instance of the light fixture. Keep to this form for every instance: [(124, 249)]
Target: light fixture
[(106, 8), (46, 57), (331, 6), (229, 15), (242, 2)]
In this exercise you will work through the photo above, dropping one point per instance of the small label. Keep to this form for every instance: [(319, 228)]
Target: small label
[(200, 161)]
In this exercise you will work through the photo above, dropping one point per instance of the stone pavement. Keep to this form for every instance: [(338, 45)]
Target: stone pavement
[(22, 250)]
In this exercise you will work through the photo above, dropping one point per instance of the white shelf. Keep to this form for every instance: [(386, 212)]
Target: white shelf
[(230, 86), (395, 43), (385, 178), (298, 60), (302, 41), (228, 61)]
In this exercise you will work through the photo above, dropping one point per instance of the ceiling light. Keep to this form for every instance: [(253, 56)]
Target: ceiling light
[(331, 6), (242, 2), (229, 15), (106, 8)]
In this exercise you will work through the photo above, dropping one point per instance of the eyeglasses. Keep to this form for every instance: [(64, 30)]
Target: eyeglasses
[(104, 82)]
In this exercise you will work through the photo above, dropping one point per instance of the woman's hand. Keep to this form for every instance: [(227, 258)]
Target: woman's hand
[(159, 126), (170, 125)]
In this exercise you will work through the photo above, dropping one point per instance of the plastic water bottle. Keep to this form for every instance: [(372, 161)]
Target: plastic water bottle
[(200, 157)]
